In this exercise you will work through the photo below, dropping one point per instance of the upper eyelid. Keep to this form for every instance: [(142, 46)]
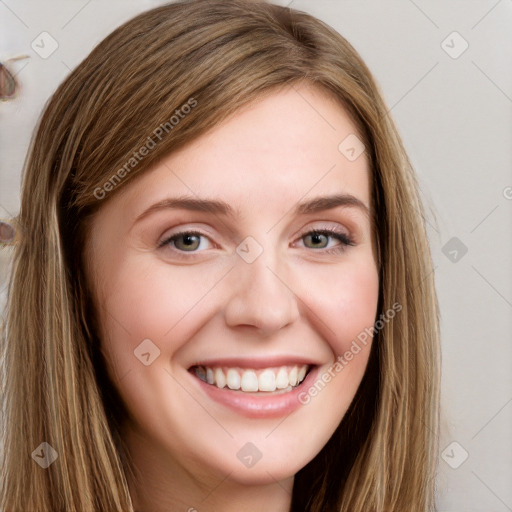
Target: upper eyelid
[(351, 218), (326, 225), (300, 234)]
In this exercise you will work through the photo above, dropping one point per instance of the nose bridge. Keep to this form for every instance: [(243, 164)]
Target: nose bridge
[(259, 295)]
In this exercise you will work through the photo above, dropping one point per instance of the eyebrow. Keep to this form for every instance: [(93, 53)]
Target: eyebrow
[(217, 207)]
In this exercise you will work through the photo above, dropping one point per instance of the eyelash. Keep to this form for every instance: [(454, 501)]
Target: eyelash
[(329, 232)]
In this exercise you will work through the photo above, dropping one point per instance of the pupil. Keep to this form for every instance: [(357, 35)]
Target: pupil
[(190, 241), (317, 238)]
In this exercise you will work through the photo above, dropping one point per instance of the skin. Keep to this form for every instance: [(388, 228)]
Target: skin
[(294, 299)]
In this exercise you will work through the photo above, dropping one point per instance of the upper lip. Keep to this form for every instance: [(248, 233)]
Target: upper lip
[(255, 363)]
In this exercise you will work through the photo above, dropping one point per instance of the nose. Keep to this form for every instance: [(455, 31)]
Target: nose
[(261, 298)]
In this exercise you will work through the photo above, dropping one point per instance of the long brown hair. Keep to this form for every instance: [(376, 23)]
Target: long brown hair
[(222, 54)]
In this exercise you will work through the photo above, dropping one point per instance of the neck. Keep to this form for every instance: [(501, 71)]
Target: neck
[(158, 483)]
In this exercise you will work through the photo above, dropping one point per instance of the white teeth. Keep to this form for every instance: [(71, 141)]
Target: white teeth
[(292, 376), (219, 378), (233, 379), (269, 379), (282, 379), (201, 373), (249, 381)]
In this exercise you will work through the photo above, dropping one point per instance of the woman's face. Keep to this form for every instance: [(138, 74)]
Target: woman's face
[(243, 259)]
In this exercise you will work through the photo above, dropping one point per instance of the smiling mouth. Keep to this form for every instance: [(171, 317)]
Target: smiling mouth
[(281, 379)]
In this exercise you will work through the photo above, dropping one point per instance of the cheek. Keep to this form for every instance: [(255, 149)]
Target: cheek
[(344, 303), (344, 300), (147, 299), (149, 307)]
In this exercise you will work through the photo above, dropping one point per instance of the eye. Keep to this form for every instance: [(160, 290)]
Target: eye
[(185, 241), (319, 239)]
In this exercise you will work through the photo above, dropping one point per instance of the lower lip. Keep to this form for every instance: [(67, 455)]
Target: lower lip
[(259, 405)]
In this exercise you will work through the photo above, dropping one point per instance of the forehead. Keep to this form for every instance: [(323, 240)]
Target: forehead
[(279, 149)]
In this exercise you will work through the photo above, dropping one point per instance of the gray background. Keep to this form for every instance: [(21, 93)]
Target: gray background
[(453, 108)]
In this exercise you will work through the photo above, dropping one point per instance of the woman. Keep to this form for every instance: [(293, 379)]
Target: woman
[(178, 335)]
